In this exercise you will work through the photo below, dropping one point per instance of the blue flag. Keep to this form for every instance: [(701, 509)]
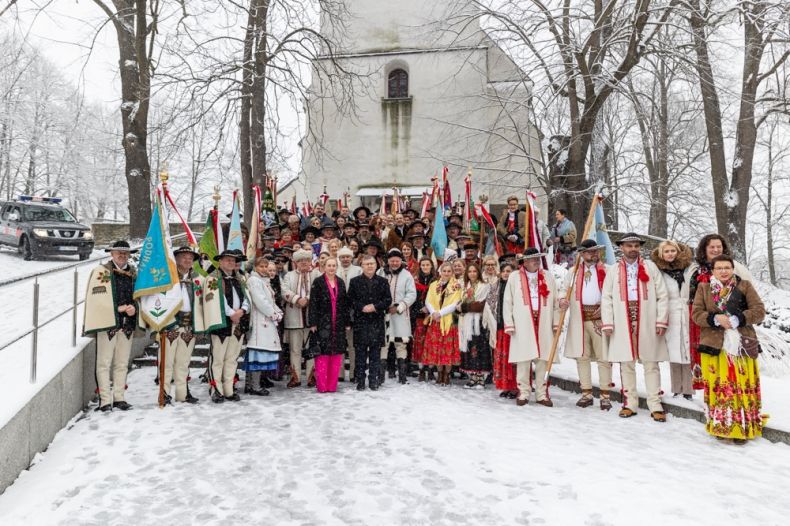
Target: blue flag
[(600, 235), (439, 237), (157, 280), (234, 233)]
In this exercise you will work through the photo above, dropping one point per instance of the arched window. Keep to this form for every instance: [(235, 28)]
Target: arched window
[(398, 84)]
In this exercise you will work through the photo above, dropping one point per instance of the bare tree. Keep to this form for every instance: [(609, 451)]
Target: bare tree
[(582, 51), (765, 25), (135, 23)]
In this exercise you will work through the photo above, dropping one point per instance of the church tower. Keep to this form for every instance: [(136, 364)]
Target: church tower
[(432, 89)]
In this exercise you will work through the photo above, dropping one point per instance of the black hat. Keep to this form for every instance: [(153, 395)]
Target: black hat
[(630, 237), (237, 254), (330, 225), (350, 224), (410, 212), (415, 236), (589, 245), (121, 245), (414, 225), (394, 252), (507, 255), (470, 245), (185, 250), (531, 253), (360, 208), (272, 226), (451, 216), (311, 230), (463, 235), (454, 225), (363, 224), (374, 242), (287, 249)]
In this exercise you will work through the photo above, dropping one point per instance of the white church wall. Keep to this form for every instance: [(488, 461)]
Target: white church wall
[(453, 117)]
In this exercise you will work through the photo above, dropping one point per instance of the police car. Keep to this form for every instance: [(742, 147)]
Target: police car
[(39, 226)]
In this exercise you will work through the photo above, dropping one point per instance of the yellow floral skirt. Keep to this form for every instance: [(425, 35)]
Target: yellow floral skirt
[(732, 396)]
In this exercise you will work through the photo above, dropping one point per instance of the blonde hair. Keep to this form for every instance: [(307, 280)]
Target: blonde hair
[(667, 243)]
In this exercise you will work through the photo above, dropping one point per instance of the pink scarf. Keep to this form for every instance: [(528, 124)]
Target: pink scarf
[(332, 298)]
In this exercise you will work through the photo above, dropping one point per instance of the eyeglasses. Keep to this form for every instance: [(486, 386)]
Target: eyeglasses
[(490, 264)]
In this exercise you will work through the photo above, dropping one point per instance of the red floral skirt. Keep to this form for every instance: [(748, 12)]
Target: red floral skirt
[(697, 381), (418, 343), (441, 349), (504, 371)]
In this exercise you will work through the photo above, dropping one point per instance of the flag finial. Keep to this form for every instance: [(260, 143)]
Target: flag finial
[(163, 175), (217, 196)]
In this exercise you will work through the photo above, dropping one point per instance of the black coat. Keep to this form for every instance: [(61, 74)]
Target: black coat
[(320, 316), (369, 327)]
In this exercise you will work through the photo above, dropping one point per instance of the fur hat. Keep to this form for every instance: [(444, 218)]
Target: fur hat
[(302, 255), (345, 251)]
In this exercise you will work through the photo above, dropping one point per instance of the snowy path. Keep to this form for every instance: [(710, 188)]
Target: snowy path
[(417, 454)]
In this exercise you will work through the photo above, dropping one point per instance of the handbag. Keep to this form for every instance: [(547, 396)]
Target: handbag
[(750, 346), (311, 348)]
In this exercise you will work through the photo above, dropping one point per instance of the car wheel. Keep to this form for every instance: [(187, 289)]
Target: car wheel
[(26, 250)]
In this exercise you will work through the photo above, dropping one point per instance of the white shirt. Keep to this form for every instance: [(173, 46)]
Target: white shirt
[(237, 304), (632, 272), (186, 294), (591, 292), (532, 280)]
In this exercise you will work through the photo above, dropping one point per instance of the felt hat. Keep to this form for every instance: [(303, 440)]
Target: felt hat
[(121, 245)]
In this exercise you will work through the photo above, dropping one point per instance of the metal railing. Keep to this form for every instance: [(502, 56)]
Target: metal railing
[(75, 303)]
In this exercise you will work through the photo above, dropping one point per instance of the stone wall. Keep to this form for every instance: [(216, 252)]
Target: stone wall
[(32, 429), (105, 233)]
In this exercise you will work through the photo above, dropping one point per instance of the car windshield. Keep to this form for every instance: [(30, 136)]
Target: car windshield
[(46, 213)]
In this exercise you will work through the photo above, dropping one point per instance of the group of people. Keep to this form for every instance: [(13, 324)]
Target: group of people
[(369, 288)]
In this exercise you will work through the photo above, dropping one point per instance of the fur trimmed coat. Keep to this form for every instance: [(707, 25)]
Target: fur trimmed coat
[(677, 335)]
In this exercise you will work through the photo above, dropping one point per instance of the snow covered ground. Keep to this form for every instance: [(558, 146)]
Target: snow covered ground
[(415, 454)]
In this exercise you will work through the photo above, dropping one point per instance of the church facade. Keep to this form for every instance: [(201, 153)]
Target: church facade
[(430, 89)]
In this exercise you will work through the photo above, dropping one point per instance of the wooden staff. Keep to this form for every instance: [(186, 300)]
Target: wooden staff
[(482, 225), (569, 293), (162, 335), (162, 342)]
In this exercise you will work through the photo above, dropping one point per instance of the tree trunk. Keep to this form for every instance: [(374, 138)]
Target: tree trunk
[(745, 134), (712, 110), (131, 28), (245, 154), (258, 109)]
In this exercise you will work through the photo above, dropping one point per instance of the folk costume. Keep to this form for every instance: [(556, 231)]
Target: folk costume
[(181, 336), (329, 314), (398, 325), (473, 334), (368, 326), (677, 334), (227, 339), (634, 304), (695, 275), (263, 342), (347, 274), (512, 224), (442, 345), (296, 286), (584, 341), (108, 288), (530, 312), (421, 284), (729, 357), (504, 371)]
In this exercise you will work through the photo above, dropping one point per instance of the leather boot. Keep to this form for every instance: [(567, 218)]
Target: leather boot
[(587, 398), (421, 378), (431, 375), (402, 370)]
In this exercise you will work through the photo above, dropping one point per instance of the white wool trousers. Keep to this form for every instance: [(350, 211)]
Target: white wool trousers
[(178, 354), (224, 362), (652, 384), (112, 356), (296, 341), (523, 377)]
